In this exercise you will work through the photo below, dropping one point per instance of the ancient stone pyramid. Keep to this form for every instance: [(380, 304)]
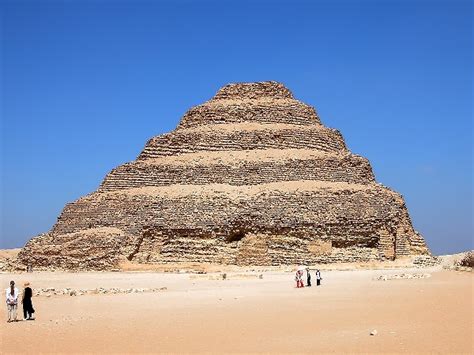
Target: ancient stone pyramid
[(250, 177)]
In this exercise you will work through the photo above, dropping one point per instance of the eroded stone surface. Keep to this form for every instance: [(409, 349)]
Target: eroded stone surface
[(251, 177)]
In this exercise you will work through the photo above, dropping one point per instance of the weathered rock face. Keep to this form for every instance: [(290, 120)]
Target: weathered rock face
[(250, 177)]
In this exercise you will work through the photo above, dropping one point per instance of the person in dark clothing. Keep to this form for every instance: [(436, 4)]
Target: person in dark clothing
[(308, 278), (27, 304), (318, 278)]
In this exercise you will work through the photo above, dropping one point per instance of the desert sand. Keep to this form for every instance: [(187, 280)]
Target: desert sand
[(243, 314)]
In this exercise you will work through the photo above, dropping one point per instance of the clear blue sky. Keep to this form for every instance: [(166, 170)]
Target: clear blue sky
[(86, 83)]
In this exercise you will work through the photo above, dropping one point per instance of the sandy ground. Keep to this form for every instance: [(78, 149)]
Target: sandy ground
[(9, 253), (247, 314)]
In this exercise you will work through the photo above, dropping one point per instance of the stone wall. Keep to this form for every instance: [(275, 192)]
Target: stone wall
[(254, 91), (244, 137), (275, 111), (348, 168)]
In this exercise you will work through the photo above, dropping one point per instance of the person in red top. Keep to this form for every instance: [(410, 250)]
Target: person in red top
[(299, 279)]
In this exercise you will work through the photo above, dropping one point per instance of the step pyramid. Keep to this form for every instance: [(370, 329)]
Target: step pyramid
[(250, 177)]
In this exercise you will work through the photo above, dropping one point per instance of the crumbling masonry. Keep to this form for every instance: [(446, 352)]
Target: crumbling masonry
[(250, 177)]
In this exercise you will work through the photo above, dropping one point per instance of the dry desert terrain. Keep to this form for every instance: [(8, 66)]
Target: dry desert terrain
[(199, 313)]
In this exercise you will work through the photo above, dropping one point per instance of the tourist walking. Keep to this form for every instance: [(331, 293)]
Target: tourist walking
[(299, 279), (27, 303), (318, 278), (12, 301), (308, 278)]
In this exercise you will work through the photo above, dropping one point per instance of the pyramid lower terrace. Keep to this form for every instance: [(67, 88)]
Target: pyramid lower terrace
[(250, 177)]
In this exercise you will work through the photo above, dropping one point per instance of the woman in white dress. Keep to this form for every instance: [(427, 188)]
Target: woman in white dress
[(11, 294)]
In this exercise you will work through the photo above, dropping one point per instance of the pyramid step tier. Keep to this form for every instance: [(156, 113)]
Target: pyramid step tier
[(244, 136), (273, 205), (253, 91), (267, 111), (240, 168), (319, 217)]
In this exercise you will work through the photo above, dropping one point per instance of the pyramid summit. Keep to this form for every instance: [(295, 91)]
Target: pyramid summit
[(264, 102), (254, 91), (250, 177)]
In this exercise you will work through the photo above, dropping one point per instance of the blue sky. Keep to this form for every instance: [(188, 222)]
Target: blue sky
[(86, 83)]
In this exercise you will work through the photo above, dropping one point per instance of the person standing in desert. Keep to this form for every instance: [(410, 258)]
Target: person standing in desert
[(299, 279), (308, 278), (318, 278), (27, 304), (12, 301)]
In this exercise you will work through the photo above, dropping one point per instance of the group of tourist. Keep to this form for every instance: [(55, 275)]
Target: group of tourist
[(299, 278), (12, 296)]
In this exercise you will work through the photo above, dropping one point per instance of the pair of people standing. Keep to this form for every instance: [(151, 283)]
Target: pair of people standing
[(12, 295), (308, 278)]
